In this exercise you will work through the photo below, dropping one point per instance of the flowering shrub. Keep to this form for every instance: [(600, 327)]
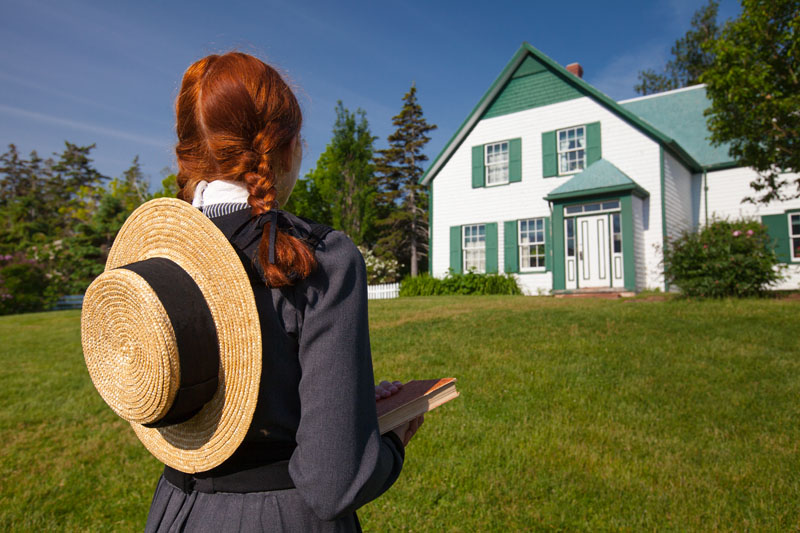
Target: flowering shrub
[(725, 258), (23, 285), (469, 283), (379, 270)]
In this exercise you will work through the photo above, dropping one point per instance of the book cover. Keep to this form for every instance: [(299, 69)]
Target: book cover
[(415, 398)]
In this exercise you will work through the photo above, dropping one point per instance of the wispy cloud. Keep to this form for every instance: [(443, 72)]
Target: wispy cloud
[(82, 126), (620, 75), (31, 84)]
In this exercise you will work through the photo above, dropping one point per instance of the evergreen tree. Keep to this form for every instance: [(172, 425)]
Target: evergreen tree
[(132, 188), (339, 190), (690, 55), (401, 201)]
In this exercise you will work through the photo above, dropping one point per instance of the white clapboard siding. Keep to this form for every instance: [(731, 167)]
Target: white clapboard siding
[(386, 291)]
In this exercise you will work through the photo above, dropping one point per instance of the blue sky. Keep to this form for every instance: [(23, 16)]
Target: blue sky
[(108, 72)]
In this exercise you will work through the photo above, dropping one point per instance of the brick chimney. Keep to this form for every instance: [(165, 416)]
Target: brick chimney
[(575, 68)]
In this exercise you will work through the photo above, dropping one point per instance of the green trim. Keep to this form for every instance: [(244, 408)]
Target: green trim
[(628, 251), (725, 165), (522, 53), (778, 230), (548, 246), (632, 187), (663, 212), (705, 194), (515, 160), (430, 229), (455, 249), (594, 151), (559, 273), (510, 246), (478, 166), (491, 247), (549, 154)]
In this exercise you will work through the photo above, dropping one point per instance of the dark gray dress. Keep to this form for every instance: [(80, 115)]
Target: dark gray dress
[(316, 404)]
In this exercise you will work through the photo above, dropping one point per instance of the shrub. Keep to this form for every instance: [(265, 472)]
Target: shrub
[(469, 283), (379, 269), (725, 258), (23, 285)]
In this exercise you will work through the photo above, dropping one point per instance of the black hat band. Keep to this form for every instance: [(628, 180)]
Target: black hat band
[(195, 333)]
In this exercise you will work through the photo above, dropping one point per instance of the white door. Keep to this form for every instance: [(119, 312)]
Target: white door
[(593, 252)]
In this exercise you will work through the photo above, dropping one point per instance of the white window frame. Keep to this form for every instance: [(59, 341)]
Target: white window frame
[(498, 164), (473, 245), (793, 236), (577, 149), (523, 258)]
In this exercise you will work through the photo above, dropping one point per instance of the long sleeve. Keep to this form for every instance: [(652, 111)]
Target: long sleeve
[(341, 461)]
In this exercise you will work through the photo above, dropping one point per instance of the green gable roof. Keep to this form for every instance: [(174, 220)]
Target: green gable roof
[(531, 85), (528, 71), (599, 177), (679, 114)]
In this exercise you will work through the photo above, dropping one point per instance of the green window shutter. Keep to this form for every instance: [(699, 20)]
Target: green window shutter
[(491, 247), (511, 248), (515, 160), (478, 172), (778, 229), (455, 249), (548, 246), (593, 143), (549, 154)]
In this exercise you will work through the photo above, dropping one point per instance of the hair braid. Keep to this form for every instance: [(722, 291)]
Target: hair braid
[(237, 120)]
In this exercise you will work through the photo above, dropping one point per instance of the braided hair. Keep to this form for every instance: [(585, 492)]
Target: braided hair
[(238, 120)]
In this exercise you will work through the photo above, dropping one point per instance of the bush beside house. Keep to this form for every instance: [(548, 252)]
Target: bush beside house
[(725, 258)]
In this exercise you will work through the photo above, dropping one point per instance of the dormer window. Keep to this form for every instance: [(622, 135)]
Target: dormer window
[(497, 163), (571, 150)]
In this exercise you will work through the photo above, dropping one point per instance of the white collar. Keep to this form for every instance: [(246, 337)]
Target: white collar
[(219, 192)]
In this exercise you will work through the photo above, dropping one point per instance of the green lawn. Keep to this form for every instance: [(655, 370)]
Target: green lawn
[(575, 415)]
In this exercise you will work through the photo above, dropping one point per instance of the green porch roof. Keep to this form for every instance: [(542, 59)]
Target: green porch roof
[(679, 114), (598, 178)]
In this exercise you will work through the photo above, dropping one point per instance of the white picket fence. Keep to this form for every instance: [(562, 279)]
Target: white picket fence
[(385, 291)]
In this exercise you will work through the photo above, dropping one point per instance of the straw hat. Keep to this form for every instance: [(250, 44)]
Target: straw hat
[(171, 336)]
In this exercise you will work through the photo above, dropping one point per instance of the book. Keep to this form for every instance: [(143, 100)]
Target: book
[(415, 398)]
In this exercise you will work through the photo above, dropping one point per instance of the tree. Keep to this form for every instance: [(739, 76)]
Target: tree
[(339, 190), (132, 188), (30, 212), (690, 55), (754, 86), (169, 185), (402, 201)]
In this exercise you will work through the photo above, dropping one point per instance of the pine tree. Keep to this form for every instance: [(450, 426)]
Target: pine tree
[(402, 202), (339, 190)]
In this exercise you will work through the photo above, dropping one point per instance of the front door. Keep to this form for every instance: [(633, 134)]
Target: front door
[(593, 252)]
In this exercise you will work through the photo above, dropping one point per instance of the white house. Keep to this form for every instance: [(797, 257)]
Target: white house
[(552, 180)]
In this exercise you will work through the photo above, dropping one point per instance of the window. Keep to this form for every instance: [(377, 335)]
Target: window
[(531, 244), (794, 235), (571, 150), (497, 163), (617, 233), (570, 237), (474, 248), (594, 207)]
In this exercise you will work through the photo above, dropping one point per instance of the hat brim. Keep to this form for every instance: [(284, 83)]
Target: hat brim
[(171, 228)]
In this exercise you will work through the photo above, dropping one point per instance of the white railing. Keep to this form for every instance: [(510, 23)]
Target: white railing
[(385, 291)]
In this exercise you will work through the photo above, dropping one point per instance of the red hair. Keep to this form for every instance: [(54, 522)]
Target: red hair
[(236, 120)]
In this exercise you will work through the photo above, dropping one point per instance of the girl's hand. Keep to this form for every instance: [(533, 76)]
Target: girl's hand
[(385, 389), (407, 430)]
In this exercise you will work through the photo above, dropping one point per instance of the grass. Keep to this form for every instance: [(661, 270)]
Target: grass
[(590, 415)]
